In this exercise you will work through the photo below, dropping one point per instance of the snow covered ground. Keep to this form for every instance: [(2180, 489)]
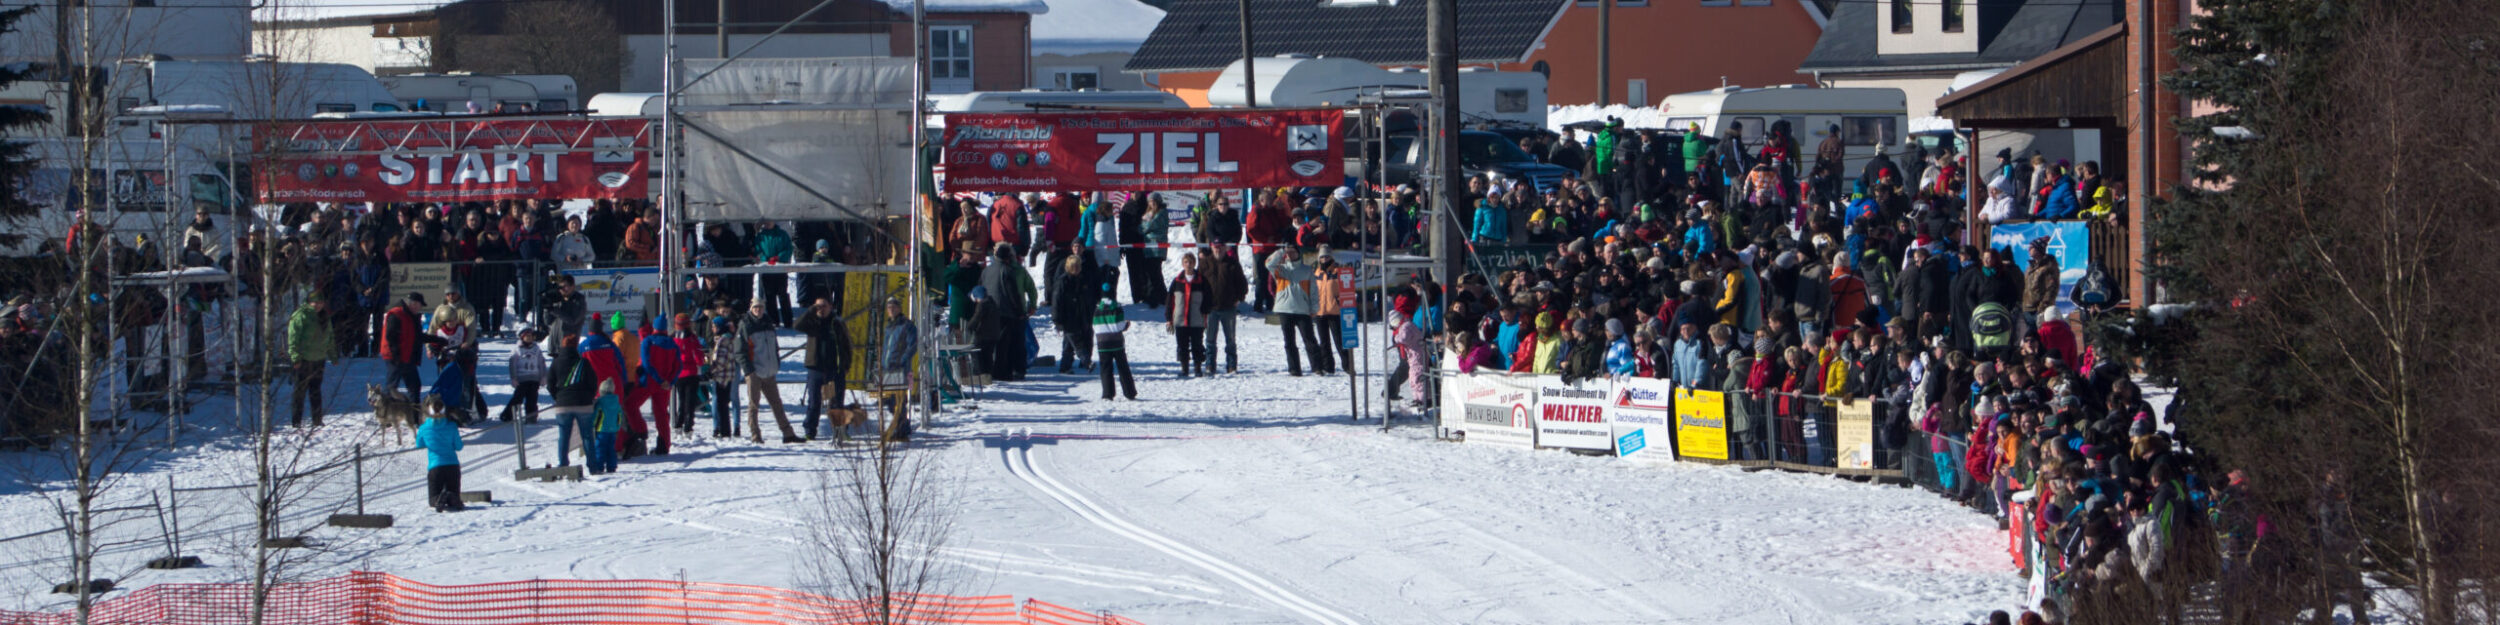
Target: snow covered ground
[(1244, 498)]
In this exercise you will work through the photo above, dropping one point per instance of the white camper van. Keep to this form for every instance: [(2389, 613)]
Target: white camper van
[(1296, 80), (639, 104), (463, 92), (1869, 119)]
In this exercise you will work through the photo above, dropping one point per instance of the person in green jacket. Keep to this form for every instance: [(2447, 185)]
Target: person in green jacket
[(773, 247), (309, 345), (1696, 146)]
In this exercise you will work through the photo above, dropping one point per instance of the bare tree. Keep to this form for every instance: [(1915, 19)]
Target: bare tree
[(877, 523), (576, 38)]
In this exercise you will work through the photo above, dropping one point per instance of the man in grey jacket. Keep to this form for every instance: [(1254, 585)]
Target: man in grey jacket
[(1294, 303)]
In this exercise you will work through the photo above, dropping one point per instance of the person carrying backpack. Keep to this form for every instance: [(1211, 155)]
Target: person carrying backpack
[(1992, 328)]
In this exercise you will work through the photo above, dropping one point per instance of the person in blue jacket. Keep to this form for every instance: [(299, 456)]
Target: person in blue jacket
[(2057, 197), (440, 439), (1492, 223), (607, 415), (451, 385)]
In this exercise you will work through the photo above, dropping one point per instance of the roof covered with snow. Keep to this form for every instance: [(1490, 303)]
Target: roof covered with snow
[(1090, 26), (324, 10), (1036, 7)]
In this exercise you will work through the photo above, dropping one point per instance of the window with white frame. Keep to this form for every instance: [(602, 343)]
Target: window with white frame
[(950, 54), (1075, 78)]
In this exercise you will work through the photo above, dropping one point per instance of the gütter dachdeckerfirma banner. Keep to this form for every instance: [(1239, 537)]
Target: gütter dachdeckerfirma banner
[(1143, 150), (464, 160)]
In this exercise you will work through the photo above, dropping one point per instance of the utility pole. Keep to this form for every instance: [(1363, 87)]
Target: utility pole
[(1448, 185), (720, 16), (1605, 52), (1249, 62)]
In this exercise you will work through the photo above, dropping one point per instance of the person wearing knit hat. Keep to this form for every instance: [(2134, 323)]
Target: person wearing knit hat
[(1620, 359)]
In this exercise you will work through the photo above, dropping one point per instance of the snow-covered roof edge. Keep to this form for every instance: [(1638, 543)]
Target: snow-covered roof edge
[(1091, 26), (1036, 7)]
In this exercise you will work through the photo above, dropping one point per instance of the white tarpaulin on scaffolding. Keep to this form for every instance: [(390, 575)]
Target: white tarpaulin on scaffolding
[(797, 139)]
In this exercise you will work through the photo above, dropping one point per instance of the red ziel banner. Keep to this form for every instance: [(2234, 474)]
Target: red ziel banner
[(455, 160), (1143, 150)]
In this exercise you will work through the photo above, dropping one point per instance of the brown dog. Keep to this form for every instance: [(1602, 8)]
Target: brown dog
[(842, 418)]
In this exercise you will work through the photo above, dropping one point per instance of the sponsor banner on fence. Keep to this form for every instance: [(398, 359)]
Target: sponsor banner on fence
[(428, 279), (455, 160), (1641, 416), (1700, 425), (1573, 416), (1143, 150), (862, 297), (1855, 427), (618, 289), (1489, 409), (2069, 241)]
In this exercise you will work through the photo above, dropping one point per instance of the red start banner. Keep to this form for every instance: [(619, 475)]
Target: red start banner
[(456, 160), (1143, 150)]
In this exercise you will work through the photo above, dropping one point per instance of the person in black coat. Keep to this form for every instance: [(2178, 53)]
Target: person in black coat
[(1927, 290), (1072, 312), (1145, 279)]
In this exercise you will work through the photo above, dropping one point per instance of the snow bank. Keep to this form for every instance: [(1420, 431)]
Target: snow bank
[(1633, 117), (1089, 26)]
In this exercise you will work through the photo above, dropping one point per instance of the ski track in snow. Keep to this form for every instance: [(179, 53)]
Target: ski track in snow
[(1020, 462), (1245, 498)]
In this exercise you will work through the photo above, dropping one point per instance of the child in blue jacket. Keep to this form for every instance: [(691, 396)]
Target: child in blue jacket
[(607, 416), (441, 441)]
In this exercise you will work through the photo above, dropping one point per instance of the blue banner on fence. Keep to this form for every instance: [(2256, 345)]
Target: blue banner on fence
[(2069, 241), (1350, 332)]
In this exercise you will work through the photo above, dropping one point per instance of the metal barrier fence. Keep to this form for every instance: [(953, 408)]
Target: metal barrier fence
[(365, 598)]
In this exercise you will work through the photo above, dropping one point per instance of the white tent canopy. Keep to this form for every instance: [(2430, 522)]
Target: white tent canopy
[(797, 139)]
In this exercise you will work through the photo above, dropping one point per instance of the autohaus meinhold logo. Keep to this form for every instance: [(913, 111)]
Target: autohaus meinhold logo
[(1002, 133)]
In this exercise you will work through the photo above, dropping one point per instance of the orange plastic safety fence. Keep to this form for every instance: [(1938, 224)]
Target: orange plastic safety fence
[(365, 598)]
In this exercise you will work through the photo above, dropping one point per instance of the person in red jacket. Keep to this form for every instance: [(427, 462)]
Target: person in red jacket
[(1006, 219), (1848, 299), (403, 346), (689, 373), (605, 361), (653, 380), (1269, 226)]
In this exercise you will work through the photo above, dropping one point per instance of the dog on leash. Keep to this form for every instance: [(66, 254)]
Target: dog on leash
[(392, 409), (842, 418)]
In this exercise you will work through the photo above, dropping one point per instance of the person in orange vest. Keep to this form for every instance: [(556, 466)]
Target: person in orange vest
[(1191, 302)]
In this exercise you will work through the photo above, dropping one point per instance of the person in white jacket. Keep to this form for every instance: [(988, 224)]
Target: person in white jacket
[(572, 248), (2000, 204), (528, 366)]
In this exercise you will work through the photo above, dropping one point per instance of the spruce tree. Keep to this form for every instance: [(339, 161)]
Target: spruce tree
[(2328, 244), (17, 162)]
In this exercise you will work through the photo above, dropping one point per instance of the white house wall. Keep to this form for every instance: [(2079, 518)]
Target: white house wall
[(645, 52), (351, 44)]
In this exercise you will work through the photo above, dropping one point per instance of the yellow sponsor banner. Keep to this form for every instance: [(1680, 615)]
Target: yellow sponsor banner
[(1855, 447), (863, 311), (1700, 425)]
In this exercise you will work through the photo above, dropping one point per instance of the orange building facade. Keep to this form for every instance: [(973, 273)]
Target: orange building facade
[(1674, 46)]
